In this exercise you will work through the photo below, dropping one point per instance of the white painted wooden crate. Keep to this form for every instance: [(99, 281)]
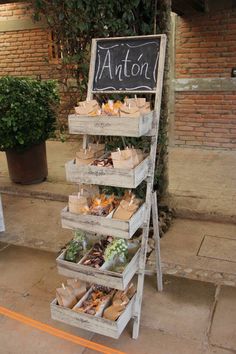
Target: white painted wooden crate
[(104, 225), (115, 177), (91, 323), (110, 125), (100, 276)]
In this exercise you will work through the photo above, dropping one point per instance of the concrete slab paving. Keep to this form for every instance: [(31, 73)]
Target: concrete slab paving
[(34, 223), (21, 339), (202, 183), (181, 251), (173, 322), (182, 309), (150, 341), (21, 268), (223, 330)]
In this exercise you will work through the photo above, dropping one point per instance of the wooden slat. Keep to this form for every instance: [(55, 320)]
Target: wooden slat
[(107, 176), (104, 225), (91, 323), (112, 126), (98, 276)]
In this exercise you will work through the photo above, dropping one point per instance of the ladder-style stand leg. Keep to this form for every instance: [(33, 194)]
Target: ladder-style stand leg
[(156, 236), (141, 274)]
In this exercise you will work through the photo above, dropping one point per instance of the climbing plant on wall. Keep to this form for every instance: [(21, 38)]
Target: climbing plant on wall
[(74, 24)]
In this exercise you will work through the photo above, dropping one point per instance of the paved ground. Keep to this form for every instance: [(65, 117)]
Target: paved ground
[(184, 319), (200, 250), (202, 183)]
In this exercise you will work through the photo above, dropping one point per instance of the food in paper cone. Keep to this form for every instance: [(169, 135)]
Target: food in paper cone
[(126, 111), (103, 205), (113, 312), (88, 190), (96, 147), (86, 156), (95, 258), (87, 108), (78, 204), (96, 300), (100, 205), (103, 162), (111, 108), (127, 158), (79, 287), (77, 247), (120, 301), (132, 107), (66, 297), (139, 102), (127, 207)]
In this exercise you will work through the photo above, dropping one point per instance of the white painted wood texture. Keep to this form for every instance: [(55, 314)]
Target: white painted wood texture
[(113, 126), (98, 276), (104, 225), (91, 323), (149, 191), (115, 177), (2, 224)]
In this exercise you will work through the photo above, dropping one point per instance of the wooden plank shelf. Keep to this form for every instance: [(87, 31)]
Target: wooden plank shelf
[(91, 323), (115, 177), (104, 225), (101, 276), (110, 125)]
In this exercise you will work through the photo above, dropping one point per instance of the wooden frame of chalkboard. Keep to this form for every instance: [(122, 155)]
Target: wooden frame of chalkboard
[(125, 64)]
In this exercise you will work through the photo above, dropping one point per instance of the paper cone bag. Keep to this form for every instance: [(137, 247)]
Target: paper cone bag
[(65, 297), (97, 148), (88, 190), (78, 205), (87, 107), (84, 158), (122, 159), (128, 111), (125, 210), (79, 287), (127, 159)]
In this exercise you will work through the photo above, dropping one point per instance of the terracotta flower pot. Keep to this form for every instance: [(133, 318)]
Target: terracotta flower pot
[(29, 166)]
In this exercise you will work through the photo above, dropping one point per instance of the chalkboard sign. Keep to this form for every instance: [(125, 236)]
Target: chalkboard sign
[(126, 64)]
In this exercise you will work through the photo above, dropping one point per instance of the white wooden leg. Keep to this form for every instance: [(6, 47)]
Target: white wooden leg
[(2, 226), (156, 236), (141, 274)]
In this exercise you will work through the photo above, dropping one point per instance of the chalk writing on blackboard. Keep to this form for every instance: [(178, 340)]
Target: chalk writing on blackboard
[(126, 64)]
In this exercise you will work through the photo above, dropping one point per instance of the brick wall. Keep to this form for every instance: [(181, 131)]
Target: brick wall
[(25, 52), (19, 10), (206, 48)]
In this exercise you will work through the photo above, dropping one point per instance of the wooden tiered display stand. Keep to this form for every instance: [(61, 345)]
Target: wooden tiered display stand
[(145, 125)]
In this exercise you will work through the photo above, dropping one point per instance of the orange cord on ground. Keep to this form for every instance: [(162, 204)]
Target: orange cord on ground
[(58, 333)]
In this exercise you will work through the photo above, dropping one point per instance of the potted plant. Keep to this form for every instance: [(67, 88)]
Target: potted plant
[(27, 120)]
